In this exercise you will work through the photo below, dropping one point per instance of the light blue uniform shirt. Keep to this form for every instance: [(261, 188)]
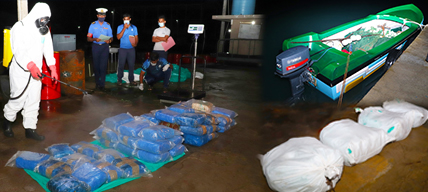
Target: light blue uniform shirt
[(124, 41), (95, 30)]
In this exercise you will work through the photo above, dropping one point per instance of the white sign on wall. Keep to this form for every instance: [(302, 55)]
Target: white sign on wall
[(249, 31)]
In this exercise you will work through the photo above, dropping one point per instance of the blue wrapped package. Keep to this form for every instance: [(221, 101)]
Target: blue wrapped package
[(91, 175), (60, 150), (177, 139), (131, 167), (222, 120), (151, 117), (166, 115), (151, 157), (86, 148), (26, 159), (106, 133), (222, 129), (113, 172), (190, 119), (229, 113), (108, 155), (52, 167), (177, 150), (132, 128), (180, 108), (77, 159), (199, 131), (66, 183), (114, 122), (210, 120), (199, 105), (198, 140), (157, 132), (156, 147), (107, 143), (124, 149)]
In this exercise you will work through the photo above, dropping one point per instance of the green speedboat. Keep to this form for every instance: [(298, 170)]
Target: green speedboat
[(336, 60)]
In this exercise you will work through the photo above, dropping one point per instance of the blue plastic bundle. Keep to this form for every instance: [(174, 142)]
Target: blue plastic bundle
[(52, 167), (210, 120), (222, 120), (107, 143), (199, 131), (151, 117), (151, 157), (66, 183), (199, 105), (199, 140), (86, 148), (77, 159), (115, 121), (60, 150), (131, 167), (108, 155), (156, 147), (157, 132), (113, 172), (226, 112), (166, 115), (132, 128), (180, 108), (91, 175), (190, 119), (124, 149), (222, 129), (27, 159), (177, 150), (106, 133), (177, 139)]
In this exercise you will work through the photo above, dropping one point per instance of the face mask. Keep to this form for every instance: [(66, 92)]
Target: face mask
[(126, 21), (41, 25), (161, 24), (101, 19), (153, 64)]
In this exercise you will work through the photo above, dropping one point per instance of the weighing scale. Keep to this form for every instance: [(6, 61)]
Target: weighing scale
[(182, 93)]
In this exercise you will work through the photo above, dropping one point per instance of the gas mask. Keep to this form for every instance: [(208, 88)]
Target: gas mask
[(41, 25)]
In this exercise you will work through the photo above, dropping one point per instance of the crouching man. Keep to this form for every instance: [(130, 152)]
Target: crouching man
[(155, 69)]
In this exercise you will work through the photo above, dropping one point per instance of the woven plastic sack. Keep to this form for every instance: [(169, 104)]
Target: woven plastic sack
[(106, 133), (199, 131), (132, 128), (223, 120), (178, 150), (86, 148), (166, 115), (420, 114), (113, 172), (199, 140), (177, 139), (77, 159), (26, 159), (67, 183), (302, 164), (226, 112), (199, 105), (125, 149), (355, 142), (132, 167), (181, 108), (107, 143), (60, 150), (151, 117), (156, 147), (91, 175), (396, 125), (52, 167), (108, 155), (158, 132), (151, 157), (190, 119), (115, 121)]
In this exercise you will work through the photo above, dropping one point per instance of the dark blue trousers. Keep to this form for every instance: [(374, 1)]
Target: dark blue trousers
[(126, 55), (100, 59), (151, 79), (163, 54)]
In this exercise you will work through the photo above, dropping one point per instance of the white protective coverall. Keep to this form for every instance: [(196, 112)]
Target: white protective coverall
[(28, 45)]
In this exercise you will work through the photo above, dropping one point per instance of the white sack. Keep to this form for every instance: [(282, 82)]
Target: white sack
[(355, 142), (420, 114), (302, 164), (396, 125)]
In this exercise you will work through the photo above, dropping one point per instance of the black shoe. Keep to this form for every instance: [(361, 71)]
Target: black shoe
[(119, 83), (133, 83), (7, 129), (32, 134)]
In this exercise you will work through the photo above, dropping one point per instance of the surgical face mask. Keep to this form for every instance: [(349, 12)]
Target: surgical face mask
[(153, 64), (101, 19), (41, 25), (161, 24), (126, 21)]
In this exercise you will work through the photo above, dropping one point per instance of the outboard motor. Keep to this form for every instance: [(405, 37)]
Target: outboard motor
[(293, 64)]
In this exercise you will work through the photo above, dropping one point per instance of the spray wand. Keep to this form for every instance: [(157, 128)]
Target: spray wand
[(83, 91)]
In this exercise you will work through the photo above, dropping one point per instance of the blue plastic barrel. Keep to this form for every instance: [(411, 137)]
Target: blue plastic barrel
[(243, 7)]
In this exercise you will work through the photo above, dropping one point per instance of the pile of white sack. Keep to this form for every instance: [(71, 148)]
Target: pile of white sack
[(309, 164)]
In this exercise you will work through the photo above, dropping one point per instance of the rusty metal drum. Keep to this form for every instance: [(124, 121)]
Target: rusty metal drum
[(72, 71)]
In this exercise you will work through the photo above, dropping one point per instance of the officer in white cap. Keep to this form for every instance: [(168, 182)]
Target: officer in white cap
[(100, 49)]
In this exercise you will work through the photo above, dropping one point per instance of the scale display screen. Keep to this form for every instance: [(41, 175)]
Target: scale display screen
[(195, 29)]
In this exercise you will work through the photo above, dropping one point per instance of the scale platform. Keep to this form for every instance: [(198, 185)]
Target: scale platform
[(180, 95)]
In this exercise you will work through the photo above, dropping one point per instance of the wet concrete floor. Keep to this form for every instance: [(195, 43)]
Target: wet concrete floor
[(229, 162)]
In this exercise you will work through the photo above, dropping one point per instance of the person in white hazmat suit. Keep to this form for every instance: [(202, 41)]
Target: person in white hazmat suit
[(30, 41)]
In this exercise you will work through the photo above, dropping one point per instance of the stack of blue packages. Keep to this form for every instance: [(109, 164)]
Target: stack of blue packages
[(91, 175), (114, 122), (132, 167), (156, 147), (181, 108), (27, 159), (60, 150), (108, 155), (86, 148), (77, 159), (124, 149), (151, 117), (106, 133), (190, 119), (199, 130), (166, 115), (227, 112), (132, 128), (67, 183), (52, 167), (199, 140), (113, 172), (157, 132)]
